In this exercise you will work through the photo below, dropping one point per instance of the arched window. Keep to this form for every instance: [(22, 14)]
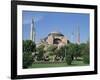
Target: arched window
[(56, 41)]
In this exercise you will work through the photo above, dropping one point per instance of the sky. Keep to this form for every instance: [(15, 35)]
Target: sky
[(46, 22)]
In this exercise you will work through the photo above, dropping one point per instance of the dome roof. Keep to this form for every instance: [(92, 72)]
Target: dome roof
[(56, 34)]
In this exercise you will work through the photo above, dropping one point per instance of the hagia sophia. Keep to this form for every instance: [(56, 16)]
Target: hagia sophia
[(54, 38)]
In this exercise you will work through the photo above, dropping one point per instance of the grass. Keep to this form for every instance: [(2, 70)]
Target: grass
[(61, 64)]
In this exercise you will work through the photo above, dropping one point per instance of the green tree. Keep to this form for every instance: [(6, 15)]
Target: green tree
[(69, 59), (62, 51), (51, 48), (27, 59), (76, 52), (40, 50), (28, 48), (69, 50), (82, 47), (86, 54)]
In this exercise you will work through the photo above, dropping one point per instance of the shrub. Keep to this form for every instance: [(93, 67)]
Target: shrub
[(86, 58), (69, 59), (86, 55), (27, 59)]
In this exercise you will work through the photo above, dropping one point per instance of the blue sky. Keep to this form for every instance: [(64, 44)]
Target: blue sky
[(46, 22)]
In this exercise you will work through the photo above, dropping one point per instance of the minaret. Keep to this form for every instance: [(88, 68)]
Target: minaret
[(78, 35), (32, 32), (73, 35)]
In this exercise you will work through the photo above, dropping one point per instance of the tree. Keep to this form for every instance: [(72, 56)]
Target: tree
[(28, 48), (69, 59), (51, 48), (86, 54), (76, 52), (51, 51), (27, 59), (82, 47), (69, 50), (60, 53), (40, 50)]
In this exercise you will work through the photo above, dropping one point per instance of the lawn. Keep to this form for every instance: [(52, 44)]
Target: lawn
[(60, 64)]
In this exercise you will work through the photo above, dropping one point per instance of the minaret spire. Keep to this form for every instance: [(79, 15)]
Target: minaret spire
[(32, 32)]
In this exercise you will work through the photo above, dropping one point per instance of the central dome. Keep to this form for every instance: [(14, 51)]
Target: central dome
[(56, 34)]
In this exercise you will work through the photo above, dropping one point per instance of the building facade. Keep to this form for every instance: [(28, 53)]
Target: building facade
[(56, 38)]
